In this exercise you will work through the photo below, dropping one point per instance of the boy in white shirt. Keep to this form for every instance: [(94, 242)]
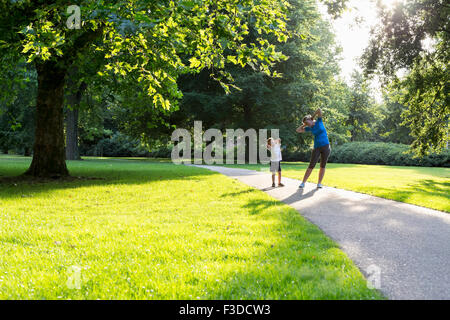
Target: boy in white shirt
[(274, 145)]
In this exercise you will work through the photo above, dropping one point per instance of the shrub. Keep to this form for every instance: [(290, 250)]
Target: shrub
[(385, 154), (162, 152), (297, 155), (118, 145)]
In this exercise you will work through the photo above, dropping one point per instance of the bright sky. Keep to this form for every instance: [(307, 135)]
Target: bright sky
[(354, 36)]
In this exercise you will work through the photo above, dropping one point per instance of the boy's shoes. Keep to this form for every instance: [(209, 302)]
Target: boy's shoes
[(302, 185), (273, 185), (281, 185), (319, 186)]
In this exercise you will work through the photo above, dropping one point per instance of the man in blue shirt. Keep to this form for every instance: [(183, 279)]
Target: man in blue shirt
[(321, 145)]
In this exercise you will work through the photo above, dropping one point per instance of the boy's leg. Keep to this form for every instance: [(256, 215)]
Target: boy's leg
[(272, 170), (279, 172)]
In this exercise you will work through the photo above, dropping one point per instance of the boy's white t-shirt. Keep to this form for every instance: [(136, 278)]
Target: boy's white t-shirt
[(275, 152)]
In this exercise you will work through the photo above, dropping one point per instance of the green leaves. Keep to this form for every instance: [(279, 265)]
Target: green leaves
[(398, 44), (232, 59), (156, 40), (187, 5), (195, 63), (41, 41), (425, 92)]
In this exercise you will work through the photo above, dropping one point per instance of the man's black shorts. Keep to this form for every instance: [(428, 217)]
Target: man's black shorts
[(323, 152)]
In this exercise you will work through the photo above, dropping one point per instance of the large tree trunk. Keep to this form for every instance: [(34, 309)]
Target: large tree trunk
[(74, 99), (48, 152), (247, 125)]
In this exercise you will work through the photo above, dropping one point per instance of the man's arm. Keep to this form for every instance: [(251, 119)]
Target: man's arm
[(318, 113), (301, 129)]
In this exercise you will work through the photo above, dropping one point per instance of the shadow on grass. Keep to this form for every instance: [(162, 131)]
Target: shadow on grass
[(427, 189), (104, 173), (258, 206), (441, 188), (234, 194)]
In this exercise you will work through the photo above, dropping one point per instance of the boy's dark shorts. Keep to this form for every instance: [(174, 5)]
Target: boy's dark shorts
[(275, 166), (323, 152)]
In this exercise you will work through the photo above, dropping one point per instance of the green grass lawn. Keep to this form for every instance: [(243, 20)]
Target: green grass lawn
[(153, 230), (423, 186)]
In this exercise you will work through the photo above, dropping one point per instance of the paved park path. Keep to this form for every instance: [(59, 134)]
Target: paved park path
[(409, 244)]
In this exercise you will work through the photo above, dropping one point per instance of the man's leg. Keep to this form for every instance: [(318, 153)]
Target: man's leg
[(279, 177), (312, 163), (321, 174), (307, 174), (324, 154)]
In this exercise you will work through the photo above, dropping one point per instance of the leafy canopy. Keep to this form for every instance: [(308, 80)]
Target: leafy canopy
[(413, 36), (157, 40)]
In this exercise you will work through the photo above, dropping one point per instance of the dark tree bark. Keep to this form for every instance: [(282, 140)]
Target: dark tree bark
[(48, 153), (247, 125), (74, 99), (49, 158)]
